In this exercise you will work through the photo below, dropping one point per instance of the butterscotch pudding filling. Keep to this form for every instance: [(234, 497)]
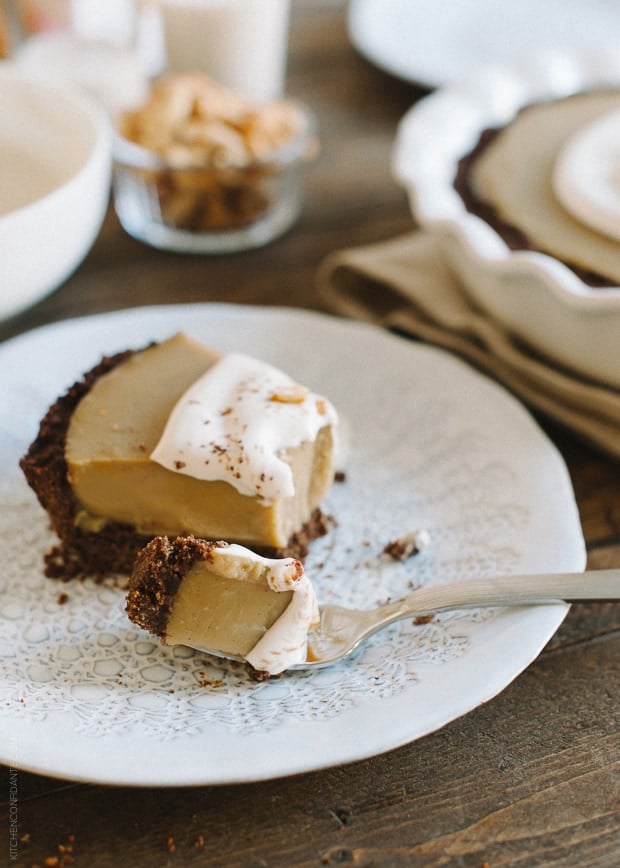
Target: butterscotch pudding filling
[(512, 182), (177, 439), (224, 599)]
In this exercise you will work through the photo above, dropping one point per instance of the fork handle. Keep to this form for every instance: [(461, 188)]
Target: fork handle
[(518, 590)]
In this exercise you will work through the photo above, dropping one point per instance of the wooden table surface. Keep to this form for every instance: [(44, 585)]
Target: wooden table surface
[(532, 777)]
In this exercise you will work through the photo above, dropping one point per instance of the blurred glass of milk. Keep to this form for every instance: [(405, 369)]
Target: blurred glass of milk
[(113, 22), (243, 44)]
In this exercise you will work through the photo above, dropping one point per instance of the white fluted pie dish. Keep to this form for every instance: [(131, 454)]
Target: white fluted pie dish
[(536, 296)]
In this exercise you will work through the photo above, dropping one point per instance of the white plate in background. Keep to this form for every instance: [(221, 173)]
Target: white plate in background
[(434, 43)]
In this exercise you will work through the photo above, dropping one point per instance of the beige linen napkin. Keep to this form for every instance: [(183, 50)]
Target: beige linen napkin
[(405, 284)]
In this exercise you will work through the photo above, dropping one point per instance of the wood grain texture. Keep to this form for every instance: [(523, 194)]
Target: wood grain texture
[(531, 778)]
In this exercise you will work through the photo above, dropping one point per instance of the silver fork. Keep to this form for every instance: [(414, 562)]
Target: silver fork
[(341, 630)]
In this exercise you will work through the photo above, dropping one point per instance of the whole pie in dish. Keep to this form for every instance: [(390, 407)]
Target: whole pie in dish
[(512, 171), (512, 180), (177, 439)]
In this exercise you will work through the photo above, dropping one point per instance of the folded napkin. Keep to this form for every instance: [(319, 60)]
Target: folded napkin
[(405, 284)]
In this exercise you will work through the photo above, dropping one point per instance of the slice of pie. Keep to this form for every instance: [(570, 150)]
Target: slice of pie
[(224, 599), (177, 439)]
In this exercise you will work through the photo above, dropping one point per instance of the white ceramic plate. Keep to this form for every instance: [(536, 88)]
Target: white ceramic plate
[(436, 43), (86, 695)]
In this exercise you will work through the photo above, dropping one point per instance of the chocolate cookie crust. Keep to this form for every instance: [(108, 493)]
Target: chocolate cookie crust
[(158, 571)]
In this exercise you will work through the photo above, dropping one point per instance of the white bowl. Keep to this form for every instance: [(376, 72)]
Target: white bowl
[(56, 164), (536, 297)]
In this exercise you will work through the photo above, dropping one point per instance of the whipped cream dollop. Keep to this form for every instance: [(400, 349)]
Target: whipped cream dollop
[(586, 175), (286, 642), (236, 421)]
